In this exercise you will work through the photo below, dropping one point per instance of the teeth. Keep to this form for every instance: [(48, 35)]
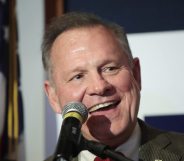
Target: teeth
[(100, 106)]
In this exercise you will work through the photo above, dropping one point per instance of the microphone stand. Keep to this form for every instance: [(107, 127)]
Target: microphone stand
[(103, 151), (98, 149)]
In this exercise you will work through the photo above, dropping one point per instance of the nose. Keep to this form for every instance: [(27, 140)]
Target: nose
[(99, 86)]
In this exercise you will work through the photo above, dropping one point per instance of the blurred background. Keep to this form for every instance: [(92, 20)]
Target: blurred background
[(28, 127)]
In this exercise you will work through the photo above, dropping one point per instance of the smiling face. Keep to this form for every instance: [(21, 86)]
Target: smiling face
[(90, 66)]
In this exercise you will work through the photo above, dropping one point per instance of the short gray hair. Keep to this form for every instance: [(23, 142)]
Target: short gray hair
[(74, 20)]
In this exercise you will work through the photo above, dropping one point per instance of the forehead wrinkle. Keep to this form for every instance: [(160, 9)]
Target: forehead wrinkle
[(80, 49), (78, 67)]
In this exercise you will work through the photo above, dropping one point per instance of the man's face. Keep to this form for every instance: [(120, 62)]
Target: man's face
[(90, 66)]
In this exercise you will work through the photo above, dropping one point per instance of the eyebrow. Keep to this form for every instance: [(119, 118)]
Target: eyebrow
[(75, 70)]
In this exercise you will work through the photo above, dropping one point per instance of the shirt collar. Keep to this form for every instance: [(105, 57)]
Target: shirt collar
[(131, 147)]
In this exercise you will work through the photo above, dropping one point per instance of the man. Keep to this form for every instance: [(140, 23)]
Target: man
[(89, 60)]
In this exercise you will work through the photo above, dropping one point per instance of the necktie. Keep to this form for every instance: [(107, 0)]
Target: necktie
[(99, 159), (108, 159)]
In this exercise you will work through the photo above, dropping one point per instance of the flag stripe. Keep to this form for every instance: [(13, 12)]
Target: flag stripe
[(13, 68)]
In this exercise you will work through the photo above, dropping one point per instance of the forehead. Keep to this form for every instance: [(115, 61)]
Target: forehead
[(83, 35), (85, 46), (86, 40)]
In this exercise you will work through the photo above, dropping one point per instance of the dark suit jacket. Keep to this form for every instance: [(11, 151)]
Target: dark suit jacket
[(158, 145)]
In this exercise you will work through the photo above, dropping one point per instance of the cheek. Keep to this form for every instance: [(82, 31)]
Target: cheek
[(123, 82), (127, 88), (69, 94)]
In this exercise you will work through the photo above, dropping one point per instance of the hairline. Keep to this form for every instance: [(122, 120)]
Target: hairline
[(121, 40)]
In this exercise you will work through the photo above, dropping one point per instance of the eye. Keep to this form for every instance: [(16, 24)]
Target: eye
[(111, 69), (77, 77)]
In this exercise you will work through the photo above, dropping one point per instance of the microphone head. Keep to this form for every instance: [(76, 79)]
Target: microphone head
[(76, 107)]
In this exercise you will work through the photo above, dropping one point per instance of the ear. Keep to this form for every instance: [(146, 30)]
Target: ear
[(137, 71), (52, 96)]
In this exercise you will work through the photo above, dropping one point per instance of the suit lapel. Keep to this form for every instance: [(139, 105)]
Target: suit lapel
[(155, 150), (154, 145)]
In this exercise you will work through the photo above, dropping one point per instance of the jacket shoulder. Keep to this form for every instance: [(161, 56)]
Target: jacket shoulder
[(177, 141)]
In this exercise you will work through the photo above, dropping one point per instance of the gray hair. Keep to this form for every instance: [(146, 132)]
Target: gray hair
[(74, 20)]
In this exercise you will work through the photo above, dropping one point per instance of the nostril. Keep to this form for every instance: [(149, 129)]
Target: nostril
[(100, 88)]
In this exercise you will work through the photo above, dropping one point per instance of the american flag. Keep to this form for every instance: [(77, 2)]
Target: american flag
[(11, 114)]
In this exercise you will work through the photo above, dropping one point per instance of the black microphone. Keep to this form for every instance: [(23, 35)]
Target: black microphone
[(74, 115)]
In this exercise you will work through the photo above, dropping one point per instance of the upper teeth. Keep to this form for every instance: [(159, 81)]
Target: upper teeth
[(99, 106)]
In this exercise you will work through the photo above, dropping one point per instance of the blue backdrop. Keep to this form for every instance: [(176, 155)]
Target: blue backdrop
[(135, 16)]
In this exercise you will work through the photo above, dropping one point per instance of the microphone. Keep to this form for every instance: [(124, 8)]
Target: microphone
[(74, 115)]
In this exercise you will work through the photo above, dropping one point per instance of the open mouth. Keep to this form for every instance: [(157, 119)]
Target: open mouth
[(103, 106)]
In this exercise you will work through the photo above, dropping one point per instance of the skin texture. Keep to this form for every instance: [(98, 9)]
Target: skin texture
[(90, 66)]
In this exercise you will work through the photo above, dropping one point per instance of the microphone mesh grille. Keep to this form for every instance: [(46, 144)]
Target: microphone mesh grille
[(76, 107)]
